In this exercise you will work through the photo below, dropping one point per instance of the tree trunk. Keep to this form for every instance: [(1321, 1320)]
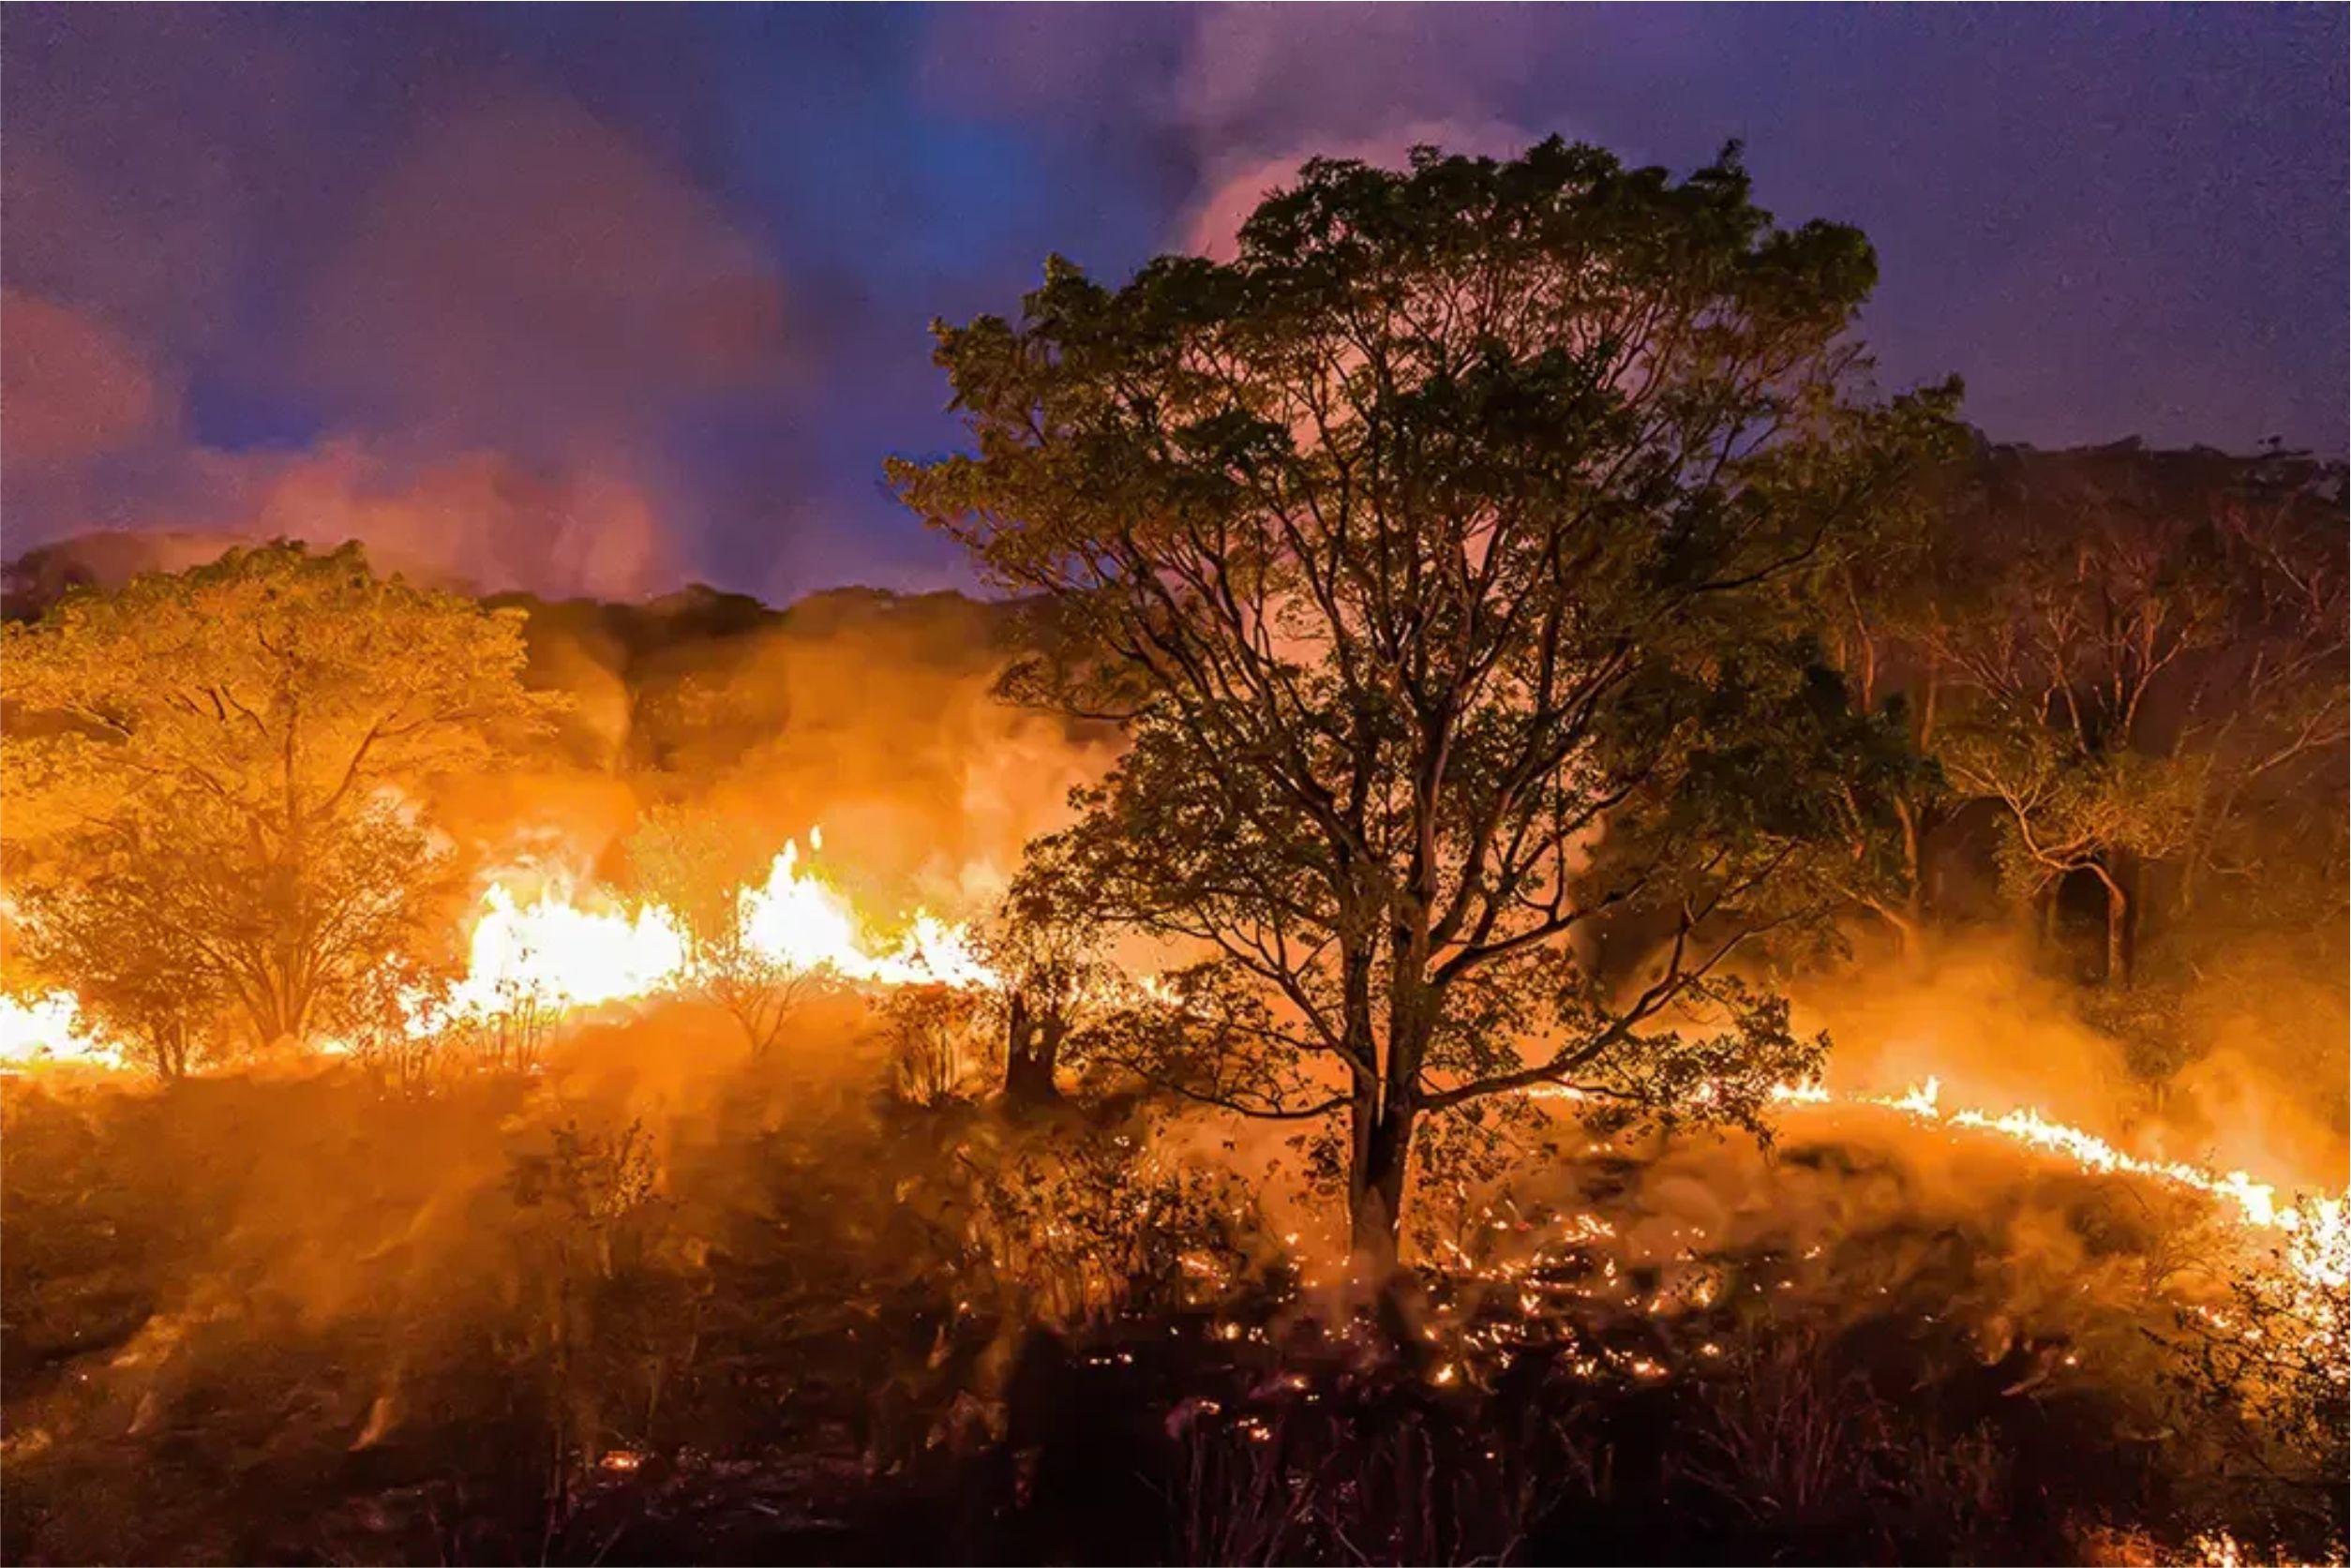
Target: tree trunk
[(2208, 821), (1020, 1026), (2117, 930), (1911, 920), (281, 1012), (1375, 1185), (171, 1051), (1032, 1046), (1903, 920)]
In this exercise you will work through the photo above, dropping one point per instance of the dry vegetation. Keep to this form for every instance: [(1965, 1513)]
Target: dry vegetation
[(1500, 699)]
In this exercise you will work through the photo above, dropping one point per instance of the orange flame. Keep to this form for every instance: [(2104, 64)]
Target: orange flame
[(559, 952), (50, 1029)]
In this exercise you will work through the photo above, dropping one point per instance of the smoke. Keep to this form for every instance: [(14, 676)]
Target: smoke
[(1237, 96), (524, 275), (72, 386), (869, 718), (471, 339), (1263, 88), (2002, 1035)]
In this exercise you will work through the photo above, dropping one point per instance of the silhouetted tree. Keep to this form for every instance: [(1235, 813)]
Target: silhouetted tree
[(1443, 555), (1045, 942)]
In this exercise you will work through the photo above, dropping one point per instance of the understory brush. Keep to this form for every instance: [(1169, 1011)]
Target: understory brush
[(769, 1316)]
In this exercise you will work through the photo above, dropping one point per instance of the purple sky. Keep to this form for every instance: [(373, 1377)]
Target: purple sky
[(604, 299)]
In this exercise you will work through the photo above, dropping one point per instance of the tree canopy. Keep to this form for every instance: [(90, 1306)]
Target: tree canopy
[(233, 761), (1445, 555)]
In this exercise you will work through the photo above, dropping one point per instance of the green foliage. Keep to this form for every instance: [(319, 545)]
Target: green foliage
[(1447, 555)]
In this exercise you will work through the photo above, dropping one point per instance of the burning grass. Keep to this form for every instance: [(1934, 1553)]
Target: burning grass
[(660, 1300), (550, 1263)]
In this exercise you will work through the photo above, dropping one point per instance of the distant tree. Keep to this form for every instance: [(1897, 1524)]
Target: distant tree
[(2065, 654), (1445, 556), (2137, 674), (225, 767), (698, 864), (1045, 942), (2271, 713), (1878, 601)]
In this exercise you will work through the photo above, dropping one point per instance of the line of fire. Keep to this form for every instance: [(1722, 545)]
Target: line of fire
[(1523, 920)]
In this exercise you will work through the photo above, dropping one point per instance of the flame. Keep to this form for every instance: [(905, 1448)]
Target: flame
[(565, 949), (800, 922), (570, 953), (554, 951), (50, 1029), (2318, 1229), (568, 948)]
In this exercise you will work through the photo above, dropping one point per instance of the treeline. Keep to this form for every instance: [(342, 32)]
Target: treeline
[(2125, 670), (1485, 636), (2120, 669)]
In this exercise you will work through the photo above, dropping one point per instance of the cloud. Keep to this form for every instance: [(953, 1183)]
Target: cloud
[(1263, 88), (479, 519), (1215, 219), (1261, 77), (149, 159), (1245, 93)]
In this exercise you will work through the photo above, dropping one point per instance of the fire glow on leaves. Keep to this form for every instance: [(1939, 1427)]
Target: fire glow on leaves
[(566, 950)]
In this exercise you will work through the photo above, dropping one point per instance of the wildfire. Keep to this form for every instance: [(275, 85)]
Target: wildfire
[(48, 1029), (2318, 1229), (565, 951), (800, 922), (558, 953), (566, 947)]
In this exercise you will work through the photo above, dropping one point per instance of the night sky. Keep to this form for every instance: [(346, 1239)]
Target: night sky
[(607, 299)]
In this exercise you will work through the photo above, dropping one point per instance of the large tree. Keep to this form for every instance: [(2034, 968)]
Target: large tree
[(1443, 554), (233, 762)]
